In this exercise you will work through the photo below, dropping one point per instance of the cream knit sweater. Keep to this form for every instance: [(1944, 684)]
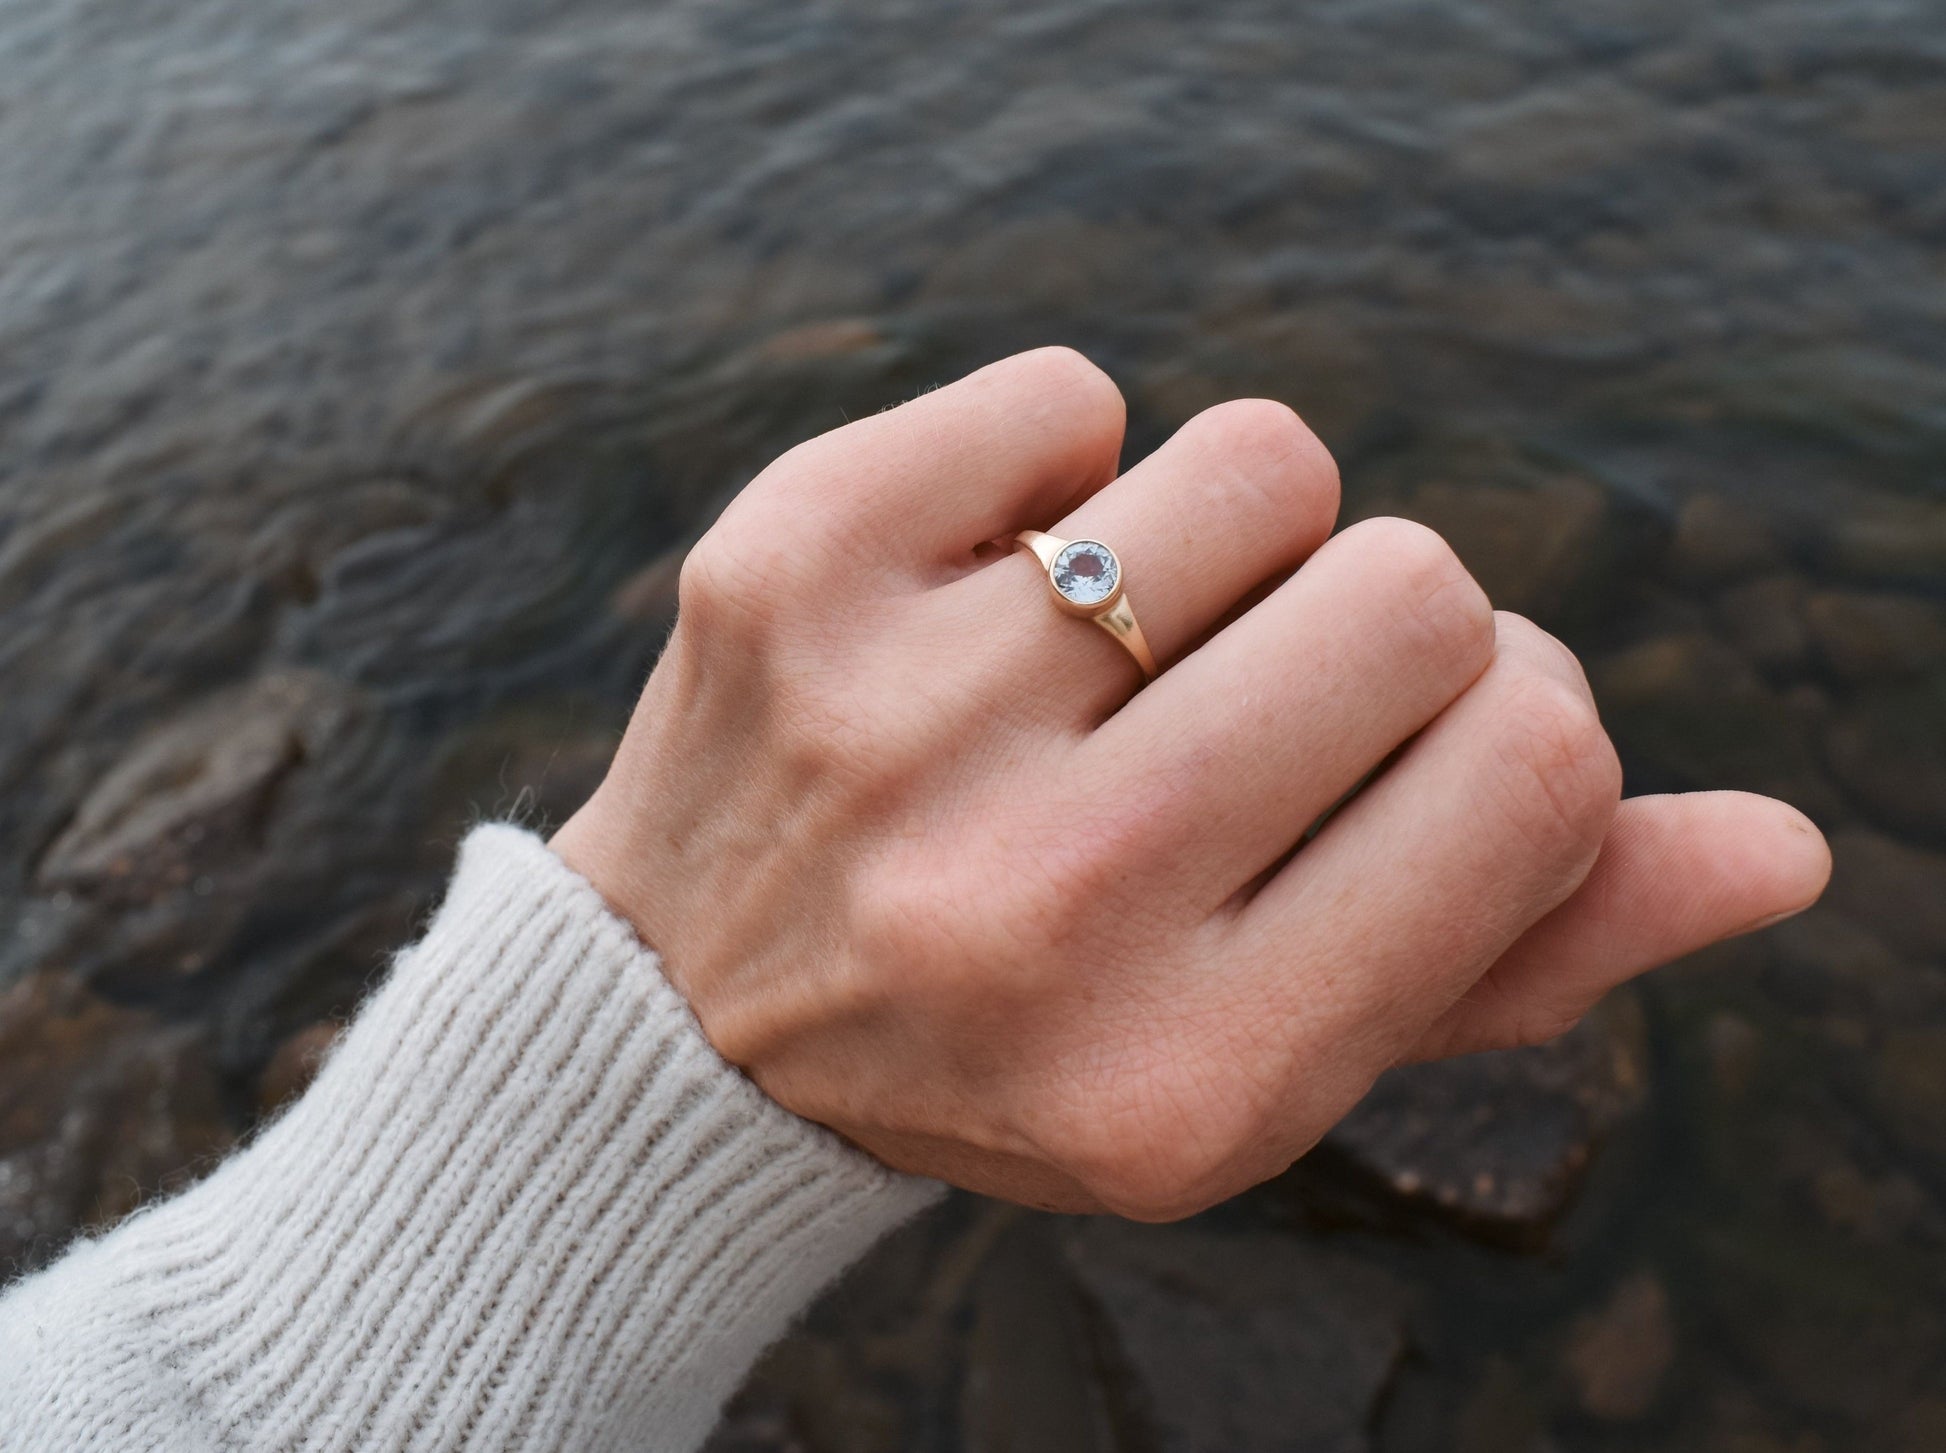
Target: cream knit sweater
[(525, 1206)]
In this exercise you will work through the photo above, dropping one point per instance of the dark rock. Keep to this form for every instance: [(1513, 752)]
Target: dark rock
[(1877, 635), (1540, 541), (531, 766), (1687, 712), (1030, 1383), (1499, 1415), (1530, 548), (1909, 1081), (878, 1361), (827, 338), (1841, 970), (1895, 890), (648, 597), (294, 1065), (1618, 1357), (1735, 1048), (1889, 748), (1718, 539), (100, 1106), (810, 1396), (1764, 620), (1242, 1343), (189, 799), (292, 550), (1891, 538), (1317, 360), (1498, 1143), (1885, 1208)]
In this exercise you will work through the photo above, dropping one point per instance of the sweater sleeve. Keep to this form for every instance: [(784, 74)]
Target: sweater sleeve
[(524, 1206)]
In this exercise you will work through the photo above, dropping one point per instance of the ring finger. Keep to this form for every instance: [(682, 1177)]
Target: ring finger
[(1238, 497)]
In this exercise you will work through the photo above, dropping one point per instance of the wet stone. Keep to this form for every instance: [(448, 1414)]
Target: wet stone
[(1243, 1343), (1889, 749), (1544, 546), (647, 597), (294, 1064), (828, 338), (1867, 636), (193, 793), (1686, 712), (1764, 620), (100, 1107), (1618, 1356), (1894, 889), (1030, 1383), (1892, 538), (1499, 1415), (1719, 539), (1497, 1144)]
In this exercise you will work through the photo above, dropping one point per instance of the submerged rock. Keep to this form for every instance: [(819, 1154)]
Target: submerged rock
[(100, 1106), (1891, 538), (1872, 635), (1889, 749), (1719, 539), (1893, 888), (1032, 1384), (1243, 1343), (1618, 1356), (294, 1064), (1764, 619), (1687, 712), (1497, 1144), (192, 795), (1541, 541)]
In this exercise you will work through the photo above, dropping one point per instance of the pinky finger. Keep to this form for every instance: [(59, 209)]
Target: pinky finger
[(1675, 873)]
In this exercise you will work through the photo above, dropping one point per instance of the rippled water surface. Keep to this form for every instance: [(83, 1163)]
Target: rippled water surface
[(367, 366)]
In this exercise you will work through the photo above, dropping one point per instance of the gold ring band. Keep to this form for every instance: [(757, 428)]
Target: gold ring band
[(1086, 579)]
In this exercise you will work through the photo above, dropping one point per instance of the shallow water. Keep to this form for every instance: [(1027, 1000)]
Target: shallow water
[(365, 365)]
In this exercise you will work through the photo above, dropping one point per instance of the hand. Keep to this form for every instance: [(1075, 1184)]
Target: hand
[(935, 873)]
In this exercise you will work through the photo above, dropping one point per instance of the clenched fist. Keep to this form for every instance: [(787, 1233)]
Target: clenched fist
[(936, 869)]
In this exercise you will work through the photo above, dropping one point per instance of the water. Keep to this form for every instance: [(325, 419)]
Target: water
[(365, 366)]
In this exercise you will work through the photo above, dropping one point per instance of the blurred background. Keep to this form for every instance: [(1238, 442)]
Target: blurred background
[(366, 368)]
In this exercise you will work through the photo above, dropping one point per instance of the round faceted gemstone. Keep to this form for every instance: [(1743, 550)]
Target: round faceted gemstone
[(1086, 572)]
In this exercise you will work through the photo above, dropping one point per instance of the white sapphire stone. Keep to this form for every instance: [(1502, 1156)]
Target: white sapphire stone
[(1086, 572)]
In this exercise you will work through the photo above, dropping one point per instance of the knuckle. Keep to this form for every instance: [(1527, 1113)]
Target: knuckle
[(1543, 1025), (737, 571), (1518, 631), (1567, 770), (1139, 1174), (1440, 601), (705, 585), (1142, 1147)]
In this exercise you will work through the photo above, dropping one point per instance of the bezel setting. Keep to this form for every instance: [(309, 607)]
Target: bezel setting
[(1086, 577)]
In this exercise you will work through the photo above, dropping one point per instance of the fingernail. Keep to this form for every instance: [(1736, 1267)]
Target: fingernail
[(1771, 922)]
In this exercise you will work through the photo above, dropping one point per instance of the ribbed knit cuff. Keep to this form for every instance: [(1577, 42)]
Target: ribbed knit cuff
[(525, 1205)]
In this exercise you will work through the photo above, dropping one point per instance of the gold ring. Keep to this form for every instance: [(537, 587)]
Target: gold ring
[(1086, 578)]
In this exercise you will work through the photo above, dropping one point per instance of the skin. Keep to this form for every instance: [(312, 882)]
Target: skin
[(935, 873)]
